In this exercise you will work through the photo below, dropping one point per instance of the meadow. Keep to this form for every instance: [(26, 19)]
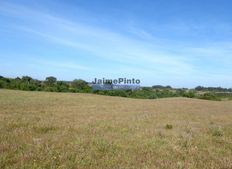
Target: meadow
[(49, 130)]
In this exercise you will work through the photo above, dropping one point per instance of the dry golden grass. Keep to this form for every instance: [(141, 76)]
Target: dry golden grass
[(64, 130)]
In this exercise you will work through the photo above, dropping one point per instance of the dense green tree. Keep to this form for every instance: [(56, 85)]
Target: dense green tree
[(50, 81), (3, 84), (15, 83), (161, 87), (79, 84), (26, 78), (62, 86)]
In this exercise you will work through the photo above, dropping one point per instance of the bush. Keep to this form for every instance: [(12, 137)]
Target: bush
[(62, 86), (153, 96), (79, 84), (209, 96), (168, 126), (50, 89), (121, 93), (189, 94), (3, 84)]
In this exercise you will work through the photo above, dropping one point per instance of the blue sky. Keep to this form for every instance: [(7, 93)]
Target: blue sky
[(183, 43)]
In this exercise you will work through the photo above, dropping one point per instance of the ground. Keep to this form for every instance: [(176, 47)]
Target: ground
[(87, 131)]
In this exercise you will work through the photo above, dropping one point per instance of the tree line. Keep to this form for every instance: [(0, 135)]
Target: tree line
[(213, 89), (51, 84)]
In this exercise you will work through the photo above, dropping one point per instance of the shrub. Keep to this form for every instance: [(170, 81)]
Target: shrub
[(50, 89), (189, 94), (153, 96), (168, 126), (79, 84), (209, 96), (2, 84)]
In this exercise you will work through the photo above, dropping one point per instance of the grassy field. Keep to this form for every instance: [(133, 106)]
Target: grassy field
[(67, 130)]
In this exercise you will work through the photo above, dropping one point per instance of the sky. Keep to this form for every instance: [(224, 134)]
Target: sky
[(182, 43)]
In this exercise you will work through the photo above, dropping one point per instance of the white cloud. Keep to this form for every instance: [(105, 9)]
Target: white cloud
[(100, 42)]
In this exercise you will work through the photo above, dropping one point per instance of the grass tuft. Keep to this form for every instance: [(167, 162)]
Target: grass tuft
[(217, 131)]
